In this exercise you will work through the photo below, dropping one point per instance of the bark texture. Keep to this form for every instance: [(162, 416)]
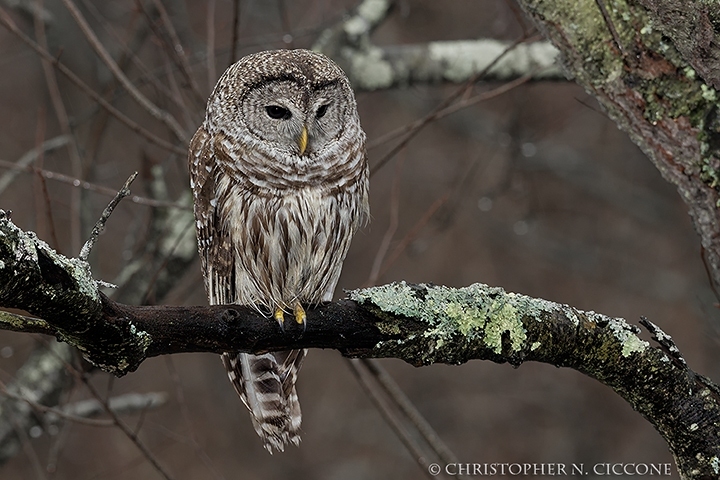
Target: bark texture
[(619, 52)]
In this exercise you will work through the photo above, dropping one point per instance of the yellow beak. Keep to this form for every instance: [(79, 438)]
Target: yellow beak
[(303, 140)]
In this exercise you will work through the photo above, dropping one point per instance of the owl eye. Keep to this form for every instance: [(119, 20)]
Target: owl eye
[(322, 111), (277, 112)]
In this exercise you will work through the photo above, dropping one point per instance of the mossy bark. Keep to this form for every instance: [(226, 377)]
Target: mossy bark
[(621, 54)]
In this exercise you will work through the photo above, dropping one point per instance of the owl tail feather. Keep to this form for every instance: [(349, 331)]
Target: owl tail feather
[(266, 385)]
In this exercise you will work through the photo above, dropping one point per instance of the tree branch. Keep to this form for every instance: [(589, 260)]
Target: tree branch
[(652, 93), (42, 379), (372, 67), (690, 26), (457, 61), (420, 324)]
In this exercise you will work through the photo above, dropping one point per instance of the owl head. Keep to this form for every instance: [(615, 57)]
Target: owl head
[(295, 102)]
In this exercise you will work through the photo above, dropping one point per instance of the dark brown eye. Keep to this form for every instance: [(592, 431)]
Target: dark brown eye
[(277, 112), (322, 111)]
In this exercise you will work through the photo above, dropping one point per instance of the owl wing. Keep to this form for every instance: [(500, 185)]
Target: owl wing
[(214, 244)]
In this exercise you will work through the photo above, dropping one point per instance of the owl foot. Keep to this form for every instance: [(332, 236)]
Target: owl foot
[(279, 316), (300, 316)]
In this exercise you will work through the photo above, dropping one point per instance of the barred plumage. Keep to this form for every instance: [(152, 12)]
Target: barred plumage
[(279, 177)]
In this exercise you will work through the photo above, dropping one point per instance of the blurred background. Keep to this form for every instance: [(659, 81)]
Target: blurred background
[(534, 190)]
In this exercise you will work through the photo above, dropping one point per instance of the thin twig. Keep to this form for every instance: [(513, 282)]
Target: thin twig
[(392, 225), (100, 121), (8, 23), (64, 122), (180, 395), (611, 27), (495, 92), (126, 430), (520, 17), (711, 281), (175, 49), (42, 185), (176, 95), (262, 40), (155, 111), (124, 404), (210, 43), (100, 224), (482, 97), (29, 157), (59, 441), (129, 55), (414, 448), (29, 450), (405, 405), (93, 187), (417, 126), (413, 233), (166, 260), (417, 228), (48, 211), (235, 25)]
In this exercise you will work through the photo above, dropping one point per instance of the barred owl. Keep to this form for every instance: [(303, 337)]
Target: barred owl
[(279, 177)]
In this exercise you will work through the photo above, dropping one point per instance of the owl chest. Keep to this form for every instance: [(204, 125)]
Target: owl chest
[(287, 247), (280, 223)]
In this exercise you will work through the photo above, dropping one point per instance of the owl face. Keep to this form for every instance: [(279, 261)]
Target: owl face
[(291, 112), (296, 118)]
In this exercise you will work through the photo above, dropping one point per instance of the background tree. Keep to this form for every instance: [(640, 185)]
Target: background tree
[(527, 186)]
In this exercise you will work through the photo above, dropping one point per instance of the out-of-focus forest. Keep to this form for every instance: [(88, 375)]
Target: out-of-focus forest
[(533, 189)]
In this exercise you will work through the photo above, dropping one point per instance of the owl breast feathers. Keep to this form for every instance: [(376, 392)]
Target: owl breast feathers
[(279, 177)]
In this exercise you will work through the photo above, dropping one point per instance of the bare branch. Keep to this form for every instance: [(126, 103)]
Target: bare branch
[(210, 47), (76, 182), (64, 122), (235, 25), (175, 48), (42, 378), (657, 98), (7, 22), (28, 158), (83, 410), (20, 323), (133, 436), (399, 398), (392, 419), (372, 67), (31, 8), (100, 224), (447, 105), (451, 62), (369, 372), (121, 405), (141, 99)]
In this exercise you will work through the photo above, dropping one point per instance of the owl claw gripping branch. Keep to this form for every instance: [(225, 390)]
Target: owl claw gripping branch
[(279, 177), (299, 312)]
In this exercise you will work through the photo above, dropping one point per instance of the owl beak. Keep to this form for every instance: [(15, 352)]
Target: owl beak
[(303, 140)]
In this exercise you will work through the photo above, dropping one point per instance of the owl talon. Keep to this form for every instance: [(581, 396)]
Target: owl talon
[(300, 316), (279, 316)]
